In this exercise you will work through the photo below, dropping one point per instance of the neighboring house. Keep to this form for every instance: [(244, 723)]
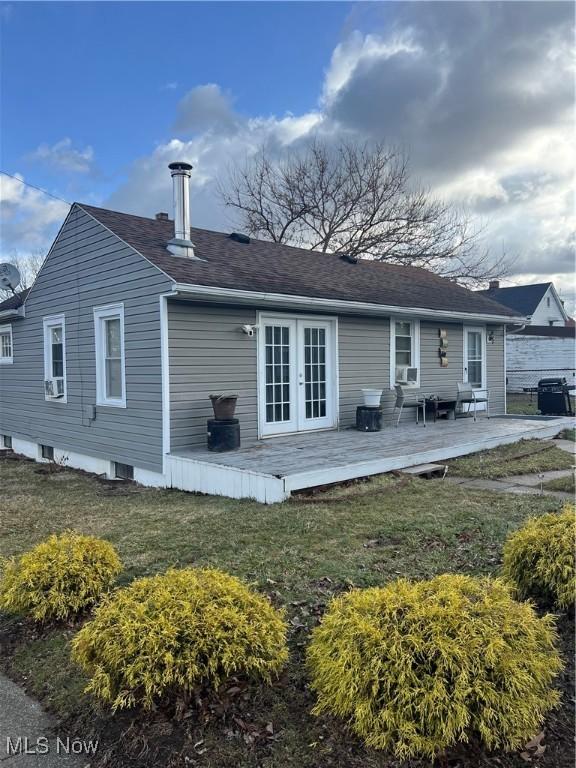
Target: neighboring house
[(545, 347), (108, 361), (539, 302), (540, 352)]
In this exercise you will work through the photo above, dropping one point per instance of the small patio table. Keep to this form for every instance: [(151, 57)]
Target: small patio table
[(440, 406)]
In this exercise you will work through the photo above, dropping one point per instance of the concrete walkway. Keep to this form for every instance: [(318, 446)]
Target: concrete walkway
[(565, 445), (27, 735)]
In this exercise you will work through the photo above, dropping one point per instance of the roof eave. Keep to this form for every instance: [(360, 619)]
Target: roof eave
[(211, 293), (12, 314)]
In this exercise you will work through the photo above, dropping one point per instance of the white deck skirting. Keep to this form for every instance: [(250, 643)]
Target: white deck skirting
[(269, 470)]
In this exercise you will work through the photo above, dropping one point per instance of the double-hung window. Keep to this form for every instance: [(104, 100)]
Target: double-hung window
[(404, 352), (110, 363), (55, 358), (6, 346)]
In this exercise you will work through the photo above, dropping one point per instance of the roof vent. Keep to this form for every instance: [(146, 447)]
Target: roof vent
[(349, 258), (238, 237), (493, 285), (162, 216)]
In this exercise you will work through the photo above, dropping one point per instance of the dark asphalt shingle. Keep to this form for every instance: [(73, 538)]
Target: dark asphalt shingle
[(13, 302), (522, 298), (277, 268)]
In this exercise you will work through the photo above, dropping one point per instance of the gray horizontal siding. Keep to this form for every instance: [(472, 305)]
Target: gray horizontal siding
[(89, 267), (209, 355), (495, 374), (364, 361)]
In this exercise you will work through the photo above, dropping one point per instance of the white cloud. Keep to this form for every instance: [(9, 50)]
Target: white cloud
[(476, 91), (64, 156), (29, 218)]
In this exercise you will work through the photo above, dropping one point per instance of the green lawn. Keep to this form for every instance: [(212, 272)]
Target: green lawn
[(566, 484), (299, 552), (525, 404), (520, 458)]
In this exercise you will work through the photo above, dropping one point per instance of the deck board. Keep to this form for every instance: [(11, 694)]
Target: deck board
[(277, 466)]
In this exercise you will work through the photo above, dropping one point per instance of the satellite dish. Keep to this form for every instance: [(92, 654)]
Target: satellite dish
[(9, 277)]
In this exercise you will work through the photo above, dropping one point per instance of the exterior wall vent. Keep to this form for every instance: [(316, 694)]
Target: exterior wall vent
[(47, 452), (123, 471)]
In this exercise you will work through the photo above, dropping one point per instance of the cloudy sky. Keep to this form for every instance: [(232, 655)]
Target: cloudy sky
[(99, 97)]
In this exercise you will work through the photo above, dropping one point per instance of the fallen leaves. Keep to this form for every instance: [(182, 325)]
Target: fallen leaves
[(534, 748)]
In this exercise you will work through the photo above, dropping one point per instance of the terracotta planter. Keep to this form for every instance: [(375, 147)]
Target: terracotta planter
[(224, 406)]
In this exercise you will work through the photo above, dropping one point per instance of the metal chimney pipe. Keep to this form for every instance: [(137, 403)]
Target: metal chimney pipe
[(181, 245)]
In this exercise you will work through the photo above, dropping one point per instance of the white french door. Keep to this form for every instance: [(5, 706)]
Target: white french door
[(475, 360), (297, 376)]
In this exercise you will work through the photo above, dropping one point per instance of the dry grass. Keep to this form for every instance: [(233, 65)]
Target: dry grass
[(299, 552), (522, 458)]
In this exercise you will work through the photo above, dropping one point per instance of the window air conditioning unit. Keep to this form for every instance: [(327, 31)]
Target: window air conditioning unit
[(406, 375), (54, 388)]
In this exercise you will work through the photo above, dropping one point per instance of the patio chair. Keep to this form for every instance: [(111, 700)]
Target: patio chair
[(467, 395), (408, 401)]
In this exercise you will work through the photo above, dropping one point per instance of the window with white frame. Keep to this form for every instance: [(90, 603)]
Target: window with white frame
[(6, 345), (404, 352), (110, 363), (55, 358)]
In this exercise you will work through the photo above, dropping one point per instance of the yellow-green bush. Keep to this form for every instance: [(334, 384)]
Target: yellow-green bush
[(175, 632), (539, 559), (59, 577), (415, 667)]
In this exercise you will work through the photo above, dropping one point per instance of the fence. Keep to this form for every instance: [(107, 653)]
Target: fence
[(527, 380)]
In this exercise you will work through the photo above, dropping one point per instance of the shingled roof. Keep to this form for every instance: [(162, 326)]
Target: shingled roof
[(267, 267), (15, 301), (522, 298)]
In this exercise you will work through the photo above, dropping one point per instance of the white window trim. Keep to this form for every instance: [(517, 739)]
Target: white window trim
[(7, 360), (415, 349), (100, 314), (53, 321)]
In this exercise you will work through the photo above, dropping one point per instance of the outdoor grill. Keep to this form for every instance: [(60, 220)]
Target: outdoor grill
[(554, 397)]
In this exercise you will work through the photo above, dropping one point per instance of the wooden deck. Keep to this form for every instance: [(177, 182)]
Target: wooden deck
[(269, 470)]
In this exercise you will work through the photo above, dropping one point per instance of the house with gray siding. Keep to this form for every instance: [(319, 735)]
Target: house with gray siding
[(108, 361)]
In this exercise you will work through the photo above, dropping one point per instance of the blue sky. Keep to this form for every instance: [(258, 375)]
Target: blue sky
[(98, 97), (111, 74)]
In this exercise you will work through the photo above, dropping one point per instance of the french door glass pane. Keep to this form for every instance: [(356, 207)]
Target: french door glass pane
[(277, 356), (315, 373)]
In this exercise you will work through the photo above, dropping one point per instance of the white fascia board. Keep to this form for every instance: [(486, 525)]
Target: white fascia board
[(352, 307)]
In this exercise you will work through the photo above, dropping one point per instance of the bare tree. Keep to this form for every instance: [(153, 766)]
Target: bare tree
[(357, 200), (28, 265)]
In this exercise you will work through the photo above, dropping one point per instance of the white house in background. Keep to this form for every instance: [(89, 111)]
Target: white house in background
[(539, 302), (546, 346)]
